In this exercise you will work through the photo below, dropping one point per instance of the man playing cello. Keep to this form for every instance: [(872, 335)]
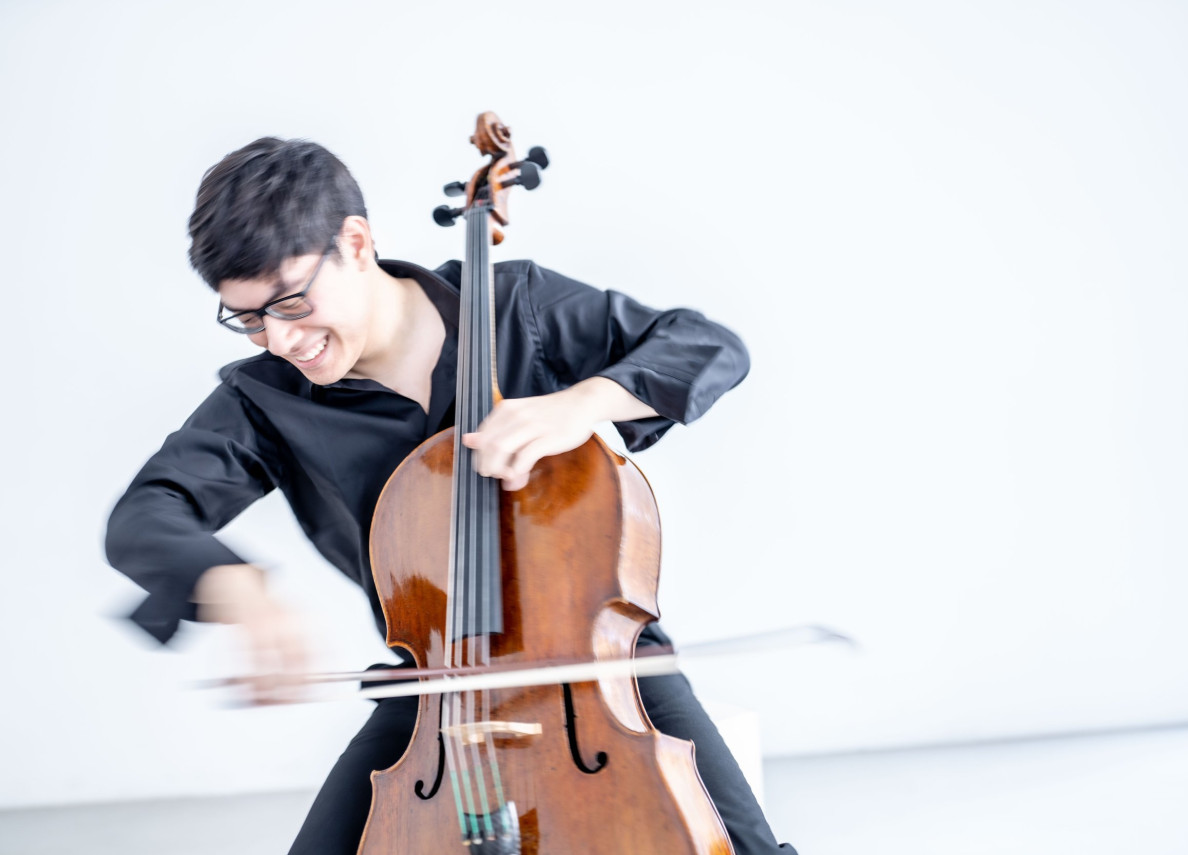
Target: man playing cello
[(357, 369)]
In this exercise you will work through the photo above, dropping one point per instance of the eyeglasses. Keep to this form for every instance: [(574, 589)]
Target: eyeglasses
[(291, 307)]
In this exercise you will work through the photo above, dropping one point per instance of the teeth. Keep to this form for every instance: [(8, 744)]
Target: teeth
[(312, 352)]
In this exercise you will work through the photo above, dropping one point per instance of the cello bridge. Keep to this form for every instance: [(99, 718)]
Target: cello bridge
[(475, 732)]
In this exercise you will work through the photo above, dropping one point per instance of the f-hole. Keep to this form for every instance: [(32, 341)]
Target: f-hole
[(571, 729), (419, 789)]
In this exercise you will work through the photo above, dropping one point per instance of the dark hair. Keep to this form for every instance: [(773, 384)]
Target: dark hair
[(265, 203)]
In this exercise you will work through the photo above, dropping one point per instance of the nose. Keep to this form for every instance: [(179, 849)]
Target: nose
[(279, 335)]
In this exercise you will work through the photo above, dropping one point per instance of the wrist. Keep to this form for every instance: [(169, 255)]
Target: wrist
[(604, 400), (230, 593)]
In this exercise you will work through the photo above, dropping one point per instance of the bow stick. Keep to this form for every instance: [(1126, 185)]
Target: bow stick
[(647, 662)]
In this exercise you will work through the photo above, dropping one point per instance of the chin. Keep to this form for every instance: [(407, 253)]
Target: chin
[(321, 375)]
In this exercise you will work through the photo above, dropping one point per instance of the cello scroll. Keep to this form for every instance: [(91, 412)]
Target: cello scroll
[(490, 184)]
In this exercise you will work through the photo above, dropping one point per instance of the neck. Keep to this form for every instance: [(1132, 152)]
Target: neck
[(405, 335)]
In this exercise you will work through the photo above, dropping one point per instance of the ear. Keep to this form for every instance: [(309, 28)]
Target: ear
[(354, 242)]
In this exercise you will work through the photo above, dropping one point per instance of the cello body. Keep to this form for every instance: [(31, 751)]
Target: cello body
[(580, 567)]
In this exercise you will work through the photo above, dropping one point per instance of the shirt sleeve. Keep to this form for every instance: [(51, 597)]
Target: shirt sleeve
[(161, 532), (676, 361)]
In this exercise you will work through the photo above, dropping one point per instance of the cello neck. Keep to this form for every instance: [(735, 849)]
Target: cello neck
[(475, 602)]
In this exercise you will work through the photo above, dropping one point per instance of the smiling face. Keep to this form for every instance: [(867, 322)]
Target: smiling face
[(328, 343)]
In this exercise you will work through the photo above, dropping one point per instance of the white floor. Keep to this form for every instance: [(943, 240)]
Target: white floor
[(1089, 795), (1093, 795)]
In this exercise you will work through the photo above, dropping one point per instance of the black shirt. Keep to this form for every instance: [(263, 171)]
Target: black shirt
[(330, 449)]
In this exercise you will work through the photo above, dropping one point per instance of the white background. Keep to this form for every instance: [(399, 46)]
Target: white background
[(951, 234)]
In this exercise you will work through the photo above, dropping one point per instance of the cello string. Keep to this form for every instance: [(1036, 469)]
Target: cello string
[(490, 514), (494, 577), (489, 567), (479, 777), (473, 519), (457, 524), (461, 622), (496, 778), (495, 555), (447, 707), (480, 532), (452, 765), (468, 469)]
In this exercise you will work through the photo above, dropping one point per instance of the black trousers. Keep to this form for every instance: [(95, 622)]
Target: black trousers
[(335, 823)]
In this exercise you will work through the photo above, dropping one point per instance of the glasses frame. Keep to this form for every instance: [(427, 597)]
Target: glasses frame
[(267, 309)]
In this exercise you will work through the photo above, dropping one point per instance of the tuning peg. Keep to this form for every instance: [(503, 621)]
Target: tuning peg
[(536, 155), (454, 188), (444, 215), (529, 177)]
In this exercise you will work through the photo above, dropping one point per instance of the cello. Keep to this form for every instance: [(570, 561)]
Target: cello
[(471, 576)]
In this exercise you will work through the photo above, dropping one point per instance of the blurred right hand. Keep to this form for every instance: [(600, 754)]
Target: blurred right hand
[(274, 635)]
